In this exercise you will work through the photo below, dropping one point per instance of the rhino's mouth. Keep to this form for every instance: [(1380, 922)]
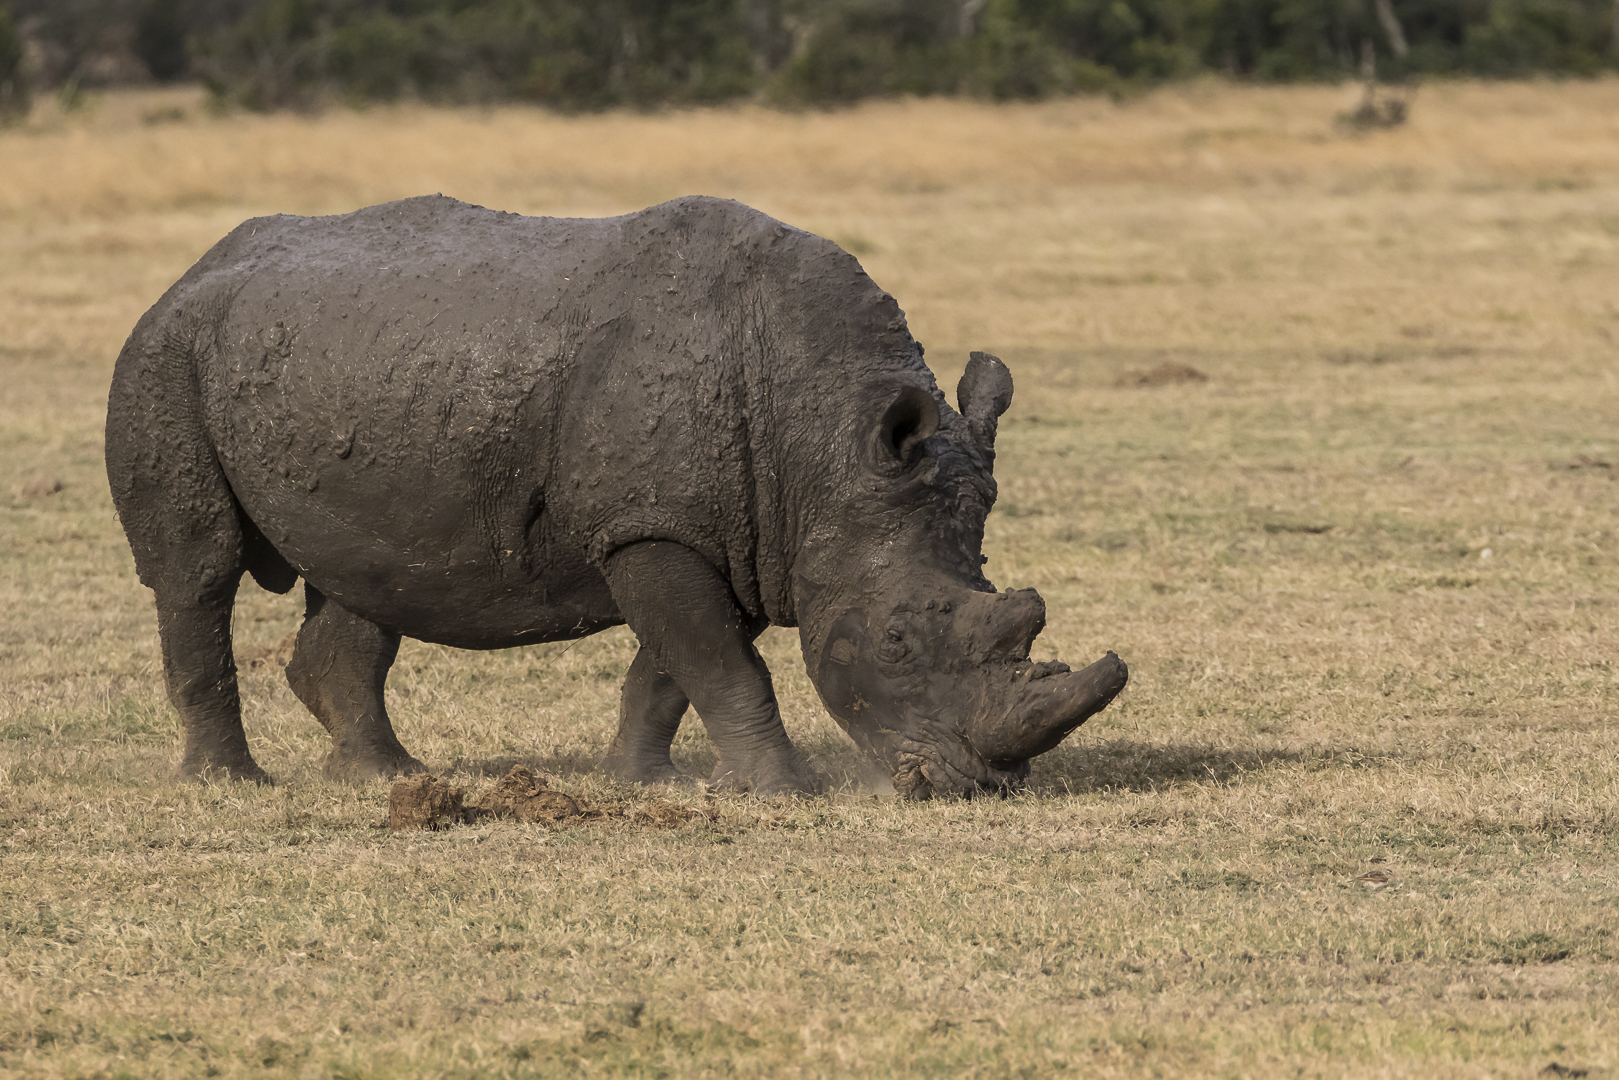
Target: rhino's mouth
[(923, 775), (1035, 706), (938, 760)]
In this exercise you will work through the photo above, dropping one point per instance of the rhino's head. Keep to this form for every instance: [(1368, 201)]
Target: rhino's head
[(911, 648)]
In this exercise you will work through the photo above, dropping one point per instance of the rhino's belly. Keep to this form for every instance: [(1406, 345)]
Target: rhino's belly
[(473, 604), (432, 560), (468, 611)]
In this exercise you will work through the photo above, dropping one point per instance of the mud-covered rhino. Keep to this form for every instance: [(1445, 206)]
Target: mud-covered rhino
[(488, 430)]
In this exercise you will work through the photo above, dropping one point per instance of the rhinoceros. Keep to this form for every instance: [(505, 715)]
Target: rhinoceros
[(488, 430)]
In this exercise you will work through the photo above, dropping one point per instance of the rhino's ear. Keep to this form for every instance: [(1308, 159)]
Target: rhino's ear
[(910, 418), (983, 394)]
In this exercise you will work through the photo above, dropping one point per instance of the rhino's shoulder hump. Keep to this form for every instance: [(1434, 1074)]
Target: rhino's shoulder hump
[(709, 210), (423, 215), (728, 223)]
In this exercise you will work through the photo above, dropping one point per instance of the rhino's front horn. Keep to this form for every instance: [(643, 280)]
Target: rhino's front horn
[(1046, 702)]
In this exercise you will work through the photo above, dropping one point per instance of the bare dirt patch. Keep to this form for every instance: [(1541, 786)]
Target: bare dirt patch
[(40, 487), (1168, 373), (1584, 461)]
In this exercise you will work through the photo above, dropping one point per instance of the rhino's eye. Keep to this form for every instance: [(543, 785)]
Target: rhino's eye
[(892, 648)]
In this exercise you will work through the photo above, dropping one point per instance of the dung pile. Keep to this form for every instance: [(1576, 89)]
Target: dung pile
[(424, 802), (525, 796), (427, 802)]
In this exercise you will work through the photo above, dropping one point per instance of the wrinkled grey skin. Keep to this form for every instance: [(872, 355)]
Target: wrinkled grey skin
[(487, 430)]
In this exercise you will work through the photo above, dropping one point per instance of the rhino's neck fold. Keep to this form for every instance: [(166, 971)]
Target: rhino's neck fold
[(773, 545)]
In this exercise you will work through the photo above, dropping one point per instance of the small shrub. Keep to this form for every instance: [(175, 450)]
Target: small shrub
[(1016, 62), (269, 60), (845, 58), (160, 40), (379, 58)]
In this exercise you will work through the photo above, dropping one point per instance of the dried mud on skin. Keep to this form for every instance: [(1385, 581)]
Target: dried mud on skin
[(1169, 373), (427, 802)]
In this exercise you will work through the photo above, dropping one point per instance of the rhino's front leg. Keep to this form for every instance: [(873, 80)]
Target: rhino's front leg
[(683, 612)]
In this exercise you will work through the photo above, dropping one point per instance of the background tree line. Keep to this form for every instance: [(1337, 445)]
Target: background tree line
[(586, 54)]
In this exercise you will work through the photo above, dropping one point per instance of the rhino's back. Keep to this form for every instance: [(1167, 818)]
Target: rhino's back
[(444, 416)]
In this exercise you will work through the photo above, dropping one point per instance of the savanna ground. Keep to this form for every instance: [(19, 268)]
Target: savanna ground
[(1364, 577)]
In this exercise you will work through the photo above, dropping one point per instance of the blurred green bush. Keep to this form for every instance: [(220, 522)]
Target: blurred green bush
[(592, 54), (14, 94)]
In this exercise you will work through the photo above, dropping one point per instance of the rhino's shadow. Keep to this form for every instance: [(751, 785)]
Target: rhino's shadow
[(1131, 765), (577, 763), (1075, 768)]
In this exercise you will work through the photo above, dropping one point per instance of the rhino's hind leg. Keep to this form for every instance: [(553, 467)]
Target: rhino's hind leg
[(186, 535), (201, 675), (649, 714), (337, 669)]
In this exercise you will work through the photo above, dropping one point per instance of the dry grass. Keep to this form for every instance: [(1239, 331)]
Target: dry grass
[(1365, 577)]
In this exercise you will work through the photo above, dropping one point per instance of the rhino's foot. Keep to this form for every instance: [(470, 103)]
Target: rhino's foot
[(208, 771), (790, 778), (360, 767), (631, 770)]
